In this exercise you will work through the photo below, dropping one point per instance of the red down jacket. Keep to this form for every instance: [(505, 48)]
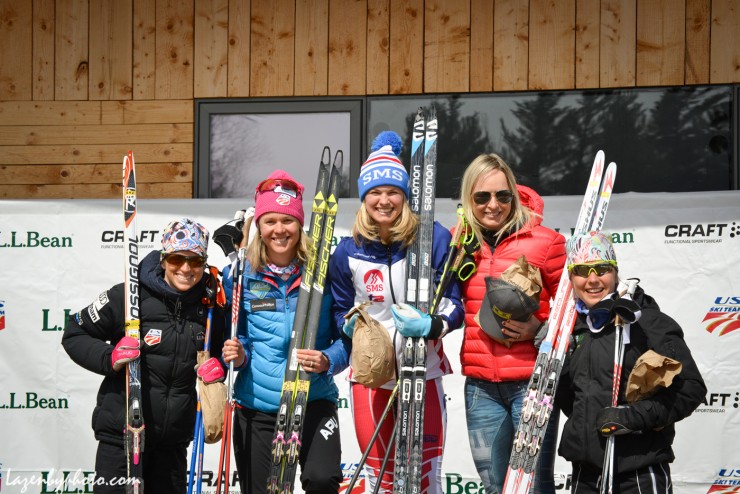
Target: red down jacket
[(481, 356)]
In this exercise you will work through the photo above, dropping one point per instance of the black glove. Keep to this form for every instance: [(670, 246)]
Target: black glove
[(605, 310), (541, 334), (438, 326), (617, 421), (228, 237), (627, 309)]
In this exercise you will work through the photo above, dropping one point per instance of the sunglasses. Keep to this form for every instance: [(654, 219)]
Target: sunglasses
[(484, 197), (600, 268), (178, 260), (279, 186)]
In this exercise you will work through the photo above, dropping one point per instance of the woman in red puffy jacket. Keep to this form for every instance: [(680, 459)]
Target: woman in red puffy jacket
[(506, 219)]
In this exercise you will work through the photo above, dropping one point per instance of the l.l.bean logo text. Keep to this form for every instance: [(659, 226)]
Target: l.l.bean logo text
[(617, 237), (48, 325), (30, 401), (30, 239)]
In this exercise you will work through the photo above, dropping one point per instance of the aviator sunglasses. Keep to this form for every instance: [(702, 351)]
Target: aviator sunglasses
[(484, 197), (178, 260), (600, 268)]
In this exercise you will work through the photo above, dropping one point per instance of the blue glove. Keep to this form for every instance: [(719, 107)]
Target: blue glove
[(410, 322), (349, 326)]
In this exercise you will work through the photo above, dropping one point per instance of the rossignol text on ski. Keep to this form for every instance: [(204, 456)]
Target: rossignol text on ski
[(134, 433), (286, 444), (539, 401)]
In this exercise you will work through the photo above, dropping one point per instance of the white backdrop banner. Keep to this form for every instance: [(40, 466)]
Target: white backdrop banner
[(57, 256)]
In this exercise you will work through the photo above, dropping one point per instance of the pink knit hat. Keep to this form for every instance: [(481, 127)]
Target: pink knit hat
[(279, 193)]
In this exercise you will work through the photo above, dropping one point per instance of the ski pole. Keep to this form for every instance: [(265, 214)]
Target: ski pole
[(373, 438), (196, 446), (607, 470), (454, 246), (229, 408), (196, 459), (384, 465), (464, 265)]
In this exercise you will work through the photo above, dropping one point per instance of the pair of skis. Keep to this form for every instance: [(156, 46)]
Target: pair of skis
[(294, 397), (408, 459), (539, 402), (134, 432), (412, 378)]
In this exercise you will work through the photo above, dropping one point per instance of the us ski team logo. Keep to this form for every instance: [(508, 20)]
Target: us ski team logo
[(153, 337), (723, 317), (721, 323)]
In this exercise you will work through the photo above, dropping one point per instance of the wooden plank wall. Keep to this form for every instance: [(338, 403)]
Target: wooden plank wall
[(83, 81)]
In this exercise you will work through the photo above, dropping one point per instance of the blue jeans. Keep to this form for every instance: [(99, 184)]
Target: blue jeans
[(492, 410)]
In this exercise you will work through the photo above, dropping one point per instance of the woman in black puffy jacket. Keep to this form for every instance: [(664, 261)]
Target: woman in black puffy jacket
[(176, 289), (643, 429)]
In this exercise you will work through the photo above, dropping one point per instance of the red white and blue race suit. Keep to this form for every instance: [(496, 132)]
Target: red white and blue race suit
[(376, 273)]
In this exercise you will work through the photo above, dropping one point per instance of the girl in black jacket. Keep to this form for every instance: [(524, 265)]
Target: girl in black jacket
[(176, 290), (642, 452)]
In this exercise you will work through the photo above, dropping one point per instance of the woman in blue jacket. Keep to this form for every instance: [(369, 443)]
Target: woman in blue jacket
[(270, 286)]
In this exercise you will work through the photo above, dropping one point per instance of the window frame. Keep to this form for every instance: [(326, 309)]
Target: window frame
[(206, 108)]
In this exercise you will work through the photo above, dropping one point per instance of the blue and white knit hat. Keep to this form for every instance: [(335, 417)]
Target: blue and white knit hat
[(383, 167)]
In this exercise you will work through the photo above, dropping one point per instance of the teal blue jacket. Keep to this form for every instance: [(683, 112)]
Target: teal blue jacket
[(266, 317)]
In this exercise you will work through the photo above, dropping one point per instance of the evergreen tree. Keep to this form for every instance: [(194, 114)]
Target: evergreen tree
[(460, 140)]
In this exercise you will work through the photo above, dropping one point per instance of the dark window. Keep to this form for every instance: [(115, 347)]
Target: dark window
[(662, 139)]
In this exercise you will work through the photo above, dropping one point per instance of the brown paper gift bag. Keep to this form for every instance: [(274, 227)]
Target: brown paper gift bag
[(212, 404), (373, 356), (650, 372)]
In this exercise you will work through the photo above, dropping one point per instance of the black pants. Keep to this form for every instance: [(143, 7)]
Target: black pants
[(321, 450), (165, 469), (654, 479)]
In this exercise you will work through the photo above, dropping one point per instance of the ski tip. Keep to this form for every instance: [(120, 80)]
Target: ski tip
[(326, 155), (609, 178), (388, 138), (338, 159)]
